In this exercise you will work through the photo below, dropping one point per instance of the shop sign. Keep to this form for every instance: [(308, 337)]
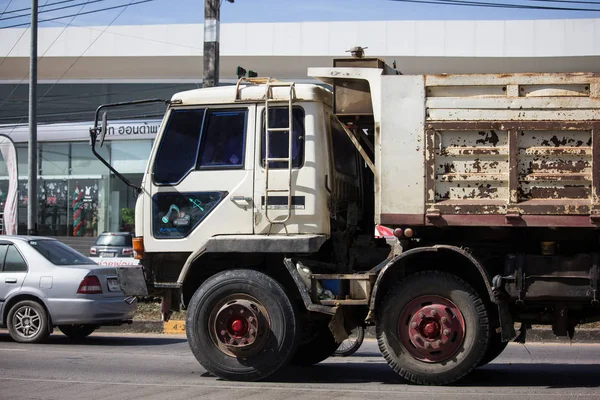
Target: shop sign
[(120, 130), (139, 130)]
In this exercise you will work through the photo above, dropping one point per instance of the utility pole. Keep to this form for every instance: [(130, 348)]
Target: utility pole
[(211, 43), (32, 150)]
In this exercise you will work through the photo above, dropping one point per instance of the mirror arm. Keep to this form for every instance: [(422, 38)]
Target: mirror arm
[(97, 130), (110, 167)]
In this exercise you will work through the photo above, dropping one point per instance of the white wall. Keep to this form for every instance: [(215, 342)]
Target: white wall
[(155, 52), (535, 38)]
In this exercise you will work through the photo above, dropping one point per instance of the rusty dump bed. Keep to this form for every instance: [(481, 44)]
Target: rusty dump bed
[(519, 149), (482, 150), (513, 145)]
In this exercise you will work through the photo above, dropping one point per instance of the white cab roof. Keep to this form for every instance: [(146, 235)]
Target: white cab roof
[(252, 93)]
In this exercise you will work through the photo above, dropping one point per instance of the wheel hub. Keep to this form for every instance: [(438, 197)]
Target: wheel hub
[(237, 324), (431, 328)]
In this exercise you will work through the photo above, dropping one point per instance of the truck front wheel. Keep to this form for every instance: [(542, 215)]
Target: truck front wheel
[(241, 325), (432, 328)]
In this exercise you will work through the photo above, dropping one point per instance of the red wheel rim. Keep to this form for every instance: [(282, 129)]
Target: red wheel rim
[(238, 325), (431, 328)]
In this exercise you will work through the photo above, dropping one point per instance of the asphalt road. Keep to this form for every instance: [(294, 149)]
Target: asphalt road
[(141, 366)]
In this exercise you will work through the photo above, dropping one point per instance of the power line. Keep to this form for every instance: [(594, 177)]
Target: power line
[(10, 51), (123, 6), (78, 58), (131, 2), (6, 8), (515, 6), (91, 113), (47, 50), (567, 1), (29, 8), (51, 10), (466, 3), (69, 103), (158, 115), (14, 45), (61, 98)]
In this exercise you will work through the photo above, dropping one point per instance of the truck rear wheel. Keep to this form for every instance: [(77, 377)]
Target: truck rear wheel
[(432, 328), (318, 348), (241, 325), (495, 348)]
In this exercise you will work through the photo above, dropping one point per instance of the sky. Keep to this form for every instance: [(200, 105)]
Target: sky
[(248, 11)]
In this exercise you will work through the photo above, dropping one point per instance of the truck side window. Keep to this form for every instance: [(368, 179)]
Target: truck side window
[(223, 139), (344, 152), (278, 141), (179, 146)]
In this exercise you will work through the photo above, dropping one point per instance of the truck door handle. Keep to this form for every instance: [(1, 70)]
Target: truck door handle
[(10, 280), (241, 198)]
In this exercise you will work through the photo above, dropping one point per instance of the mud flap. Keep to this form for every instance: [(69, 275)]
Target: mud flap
[(132, 280)]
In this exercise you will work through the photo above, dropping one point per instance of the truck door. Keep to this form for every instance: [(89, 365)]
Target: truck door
[(201, 178), (304, 185)]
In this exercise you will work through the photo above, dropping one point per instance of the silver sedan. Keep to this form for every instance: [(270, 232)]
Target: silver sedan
[(45, 284)]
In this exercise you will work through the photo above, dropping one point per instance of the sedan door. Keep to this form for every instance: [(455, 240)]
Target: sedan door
[(13, 270)]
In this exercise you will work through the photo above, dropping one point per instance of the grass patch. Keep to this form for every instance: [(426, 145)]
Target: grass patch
[(151, 312)]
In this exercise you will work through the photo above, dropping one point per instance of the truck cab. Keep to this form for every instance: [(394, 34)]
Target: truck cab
[(227, 180)]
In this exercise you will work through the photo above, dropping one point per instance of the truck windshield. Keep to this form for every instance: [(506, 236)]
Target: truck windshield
[(179, 146)]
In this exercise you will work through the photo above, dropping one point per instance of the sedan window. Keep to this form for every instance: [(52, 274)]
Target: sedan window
[(3, 248), (13, 261), (58, 253)]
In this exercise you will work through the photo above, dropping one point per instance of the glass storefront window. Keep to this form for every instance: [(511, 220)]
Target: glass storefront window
[(54, 158), (53, 206), (77, 194), (22, 159), (3, 170), (84, 162), (130, 157), (85, 199)]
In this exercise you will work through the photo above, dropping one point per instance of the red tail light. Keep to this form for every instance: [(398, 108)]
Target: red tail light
[(90, 285), (92, 250), (128, 251)]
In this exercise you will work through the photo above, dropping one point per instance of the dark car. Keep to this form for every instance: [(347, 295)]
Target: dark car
[(113, 244)]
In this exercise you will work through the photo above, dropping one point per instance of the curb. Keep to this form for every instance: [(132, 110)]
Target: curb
[(178, 327)]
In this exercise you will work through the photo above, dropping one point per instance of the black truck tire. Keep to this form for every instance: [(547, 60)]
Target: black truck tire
[(27, 322), (77, 332), (495, 348), (241, 325), (318, 348), (432, 328)]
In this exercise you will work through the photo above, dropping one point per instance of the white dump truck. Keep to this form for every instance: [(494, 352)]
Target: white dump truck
[(258, 206)]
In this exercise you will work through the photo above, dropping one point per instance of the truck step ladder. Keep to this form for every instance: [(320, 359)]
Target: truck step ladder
[(269, 100)]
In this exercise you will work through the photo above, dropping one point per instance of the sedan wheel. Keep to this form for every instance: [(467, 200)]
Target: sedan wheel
[(28, 322)]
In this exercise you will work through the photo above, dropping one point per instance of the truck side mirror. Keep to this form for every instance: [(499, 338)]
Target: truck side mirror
[(104, 128)]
